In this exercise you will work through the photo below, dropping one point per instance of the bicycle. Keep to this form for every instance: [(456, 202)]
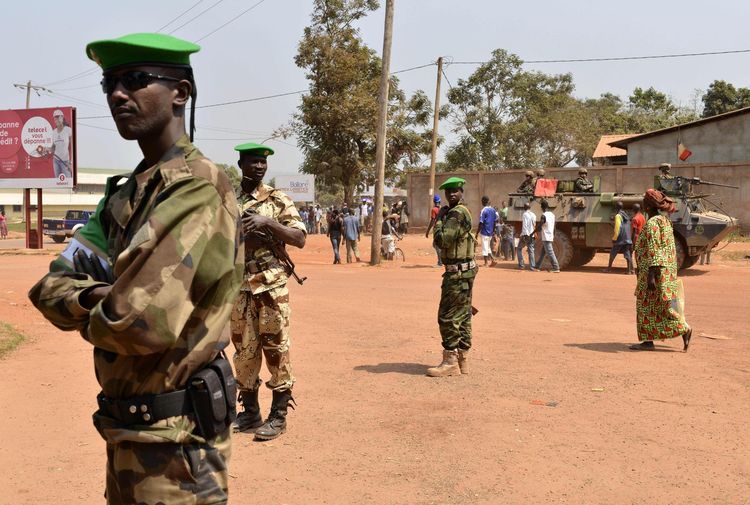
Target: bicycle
[(398, 253)]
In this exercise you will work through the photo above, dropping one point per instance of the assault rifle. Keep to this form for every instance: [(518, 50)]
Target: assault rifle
[(278, 250)]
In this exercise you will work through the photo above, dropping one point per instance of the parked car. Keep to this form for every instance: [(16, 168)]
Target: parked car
[(60, 229)]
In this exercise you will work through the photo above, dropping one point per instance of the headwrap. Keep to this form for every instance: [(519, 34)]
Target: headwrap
[(659, 200)]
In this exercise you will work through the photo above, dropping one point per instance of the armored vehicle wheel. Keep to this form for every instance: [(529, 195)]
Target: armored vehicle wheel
[(690, 261), (680, 250), (563, 248), (582, 256), (59, 239)]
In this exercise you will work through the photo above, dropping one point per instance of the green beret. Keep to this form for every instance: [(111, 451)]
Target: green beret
[(141, 48), (453, 182), (254, 149)]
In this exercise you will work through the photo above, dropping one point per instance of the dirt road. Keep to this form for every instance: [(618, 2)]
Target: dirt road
[(556, 409)]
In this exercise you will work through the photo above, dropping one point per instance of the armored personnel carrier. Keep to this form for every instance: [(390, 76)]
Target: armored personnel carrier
[(585, 221)]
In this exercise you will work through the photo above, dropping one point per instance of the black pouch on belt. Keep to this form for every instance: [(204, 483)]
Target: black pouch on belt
[(213, 393)]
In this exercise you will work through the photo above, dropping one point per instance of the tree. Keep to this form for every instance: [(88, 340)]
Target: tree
[(335, 125), (722, 96), (507, 117), (649, 110)]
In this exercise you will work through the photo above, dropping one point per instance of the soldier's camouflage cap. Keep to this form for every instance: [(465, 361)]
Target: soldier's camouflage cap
[(529, 173), (453, 182), (540, 171), (254, 149), (141, 48), (583, 171), (665, 166)]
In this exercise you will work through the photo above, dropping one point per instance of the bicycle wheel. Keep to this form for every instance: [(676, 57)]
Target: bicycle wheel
[(399, 255)]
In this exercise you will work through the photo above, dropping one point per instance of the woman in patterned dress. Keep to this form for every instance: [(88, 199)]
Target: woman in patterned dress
[(658, 294)]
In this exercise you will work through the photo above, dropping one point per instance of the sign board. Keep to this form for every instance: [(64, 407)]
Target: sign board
[(299, 187), (38, 148)]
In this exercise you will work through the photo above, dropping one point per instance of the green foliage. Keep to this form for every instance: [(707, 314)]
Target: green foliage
[(336, 123), (507, 117), (649, 110), (722, 96)]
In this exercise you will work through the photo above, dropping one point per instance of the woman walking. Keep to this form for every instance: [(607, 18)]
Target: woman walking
[(659, 298), (3, 225), (335, 227)]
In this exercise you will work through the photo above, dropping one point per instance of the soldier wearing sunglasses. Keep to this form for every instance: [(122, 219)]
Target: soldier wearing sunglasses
[(155, 293)]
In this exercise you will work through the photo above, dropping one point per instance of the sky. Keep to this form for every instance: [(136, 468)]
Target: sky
[(253, 56)]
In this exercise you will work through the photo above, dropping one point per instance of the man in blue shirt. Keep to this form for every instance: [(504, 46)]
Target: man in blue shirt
[(487, 219), (351, 235)]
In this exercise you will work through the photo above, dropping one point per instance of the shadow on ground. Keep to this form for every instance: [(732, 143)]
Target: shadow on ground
[(614, 347), (404, 368)]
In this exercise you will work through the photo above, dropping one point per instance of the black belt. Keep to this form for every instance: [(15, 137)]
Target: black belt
[(146, 409)]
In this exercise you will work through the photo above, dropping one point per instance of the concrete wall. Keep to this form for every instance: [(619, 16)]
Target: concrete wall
[(619, 179), (725, 141)]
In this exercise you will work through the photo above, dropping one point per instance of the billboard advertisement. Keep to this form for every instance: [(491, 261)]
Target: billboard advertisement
[(38, 148), (299, 187)]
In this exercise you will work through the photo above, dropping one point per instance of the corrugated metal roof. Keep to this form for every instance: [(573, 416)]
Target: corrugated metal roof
[(719, 117), (605, 150)]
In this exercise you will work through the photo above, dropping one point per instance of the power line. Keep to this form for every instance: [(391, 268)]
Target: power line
[(251, 99), (95, 127), (446, 79), (231, 20), (182, 14), (195, 17), (54, 94), (618, 58), (414, 68)]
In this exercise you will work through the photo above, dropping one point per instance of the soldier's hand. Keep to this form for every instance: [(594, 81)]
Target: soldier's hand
[(91, 266), (253, 223), (93, 296)]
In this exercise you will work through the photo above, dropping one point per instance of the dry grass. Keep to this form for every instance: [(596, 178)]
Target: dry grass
[(10, 339)]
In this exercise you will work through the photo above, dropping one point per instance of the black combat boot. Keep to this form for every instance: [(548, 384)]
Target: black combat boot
[(250, 417), (275, 425)]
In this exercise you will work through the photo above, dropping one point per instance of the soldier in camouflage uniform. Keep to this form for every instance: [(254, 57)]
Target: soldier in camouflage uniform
[(583, 184), (150, 283), (528, 185), (260, 319), (454, 238)]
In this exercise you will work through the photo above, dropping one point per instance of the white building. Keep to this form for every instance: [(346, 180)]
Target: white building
[(56, 202)]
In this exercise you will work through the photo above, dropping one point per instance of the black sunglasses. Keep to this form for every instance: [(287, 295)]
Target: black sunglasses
[(132, 81)]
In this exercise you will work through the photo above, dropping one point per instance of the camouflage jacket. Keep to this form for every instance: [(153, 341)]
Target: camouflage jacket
[(583, 185), (453, 235), (527, 186), (267, 273), (172, 239)]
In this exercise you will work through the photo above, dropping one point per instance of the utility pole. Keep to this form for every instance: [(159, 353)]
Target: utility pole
[(377, 211), (27, 191), (435, 121)]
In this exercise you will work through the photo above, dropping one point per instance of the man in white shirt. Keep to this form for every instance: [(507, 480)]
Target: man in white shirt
[(60, 148), (528, 224), (547, 226), (318, 218)]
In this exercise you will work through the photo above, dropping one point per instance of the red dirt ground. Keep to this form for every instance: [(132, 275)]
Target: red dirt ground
[(622, 427)]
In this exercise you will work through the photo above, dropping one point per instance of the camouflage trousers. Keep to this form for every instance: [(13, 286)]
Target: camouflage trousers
[(454, 312), (168, 473), (260, 327)]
